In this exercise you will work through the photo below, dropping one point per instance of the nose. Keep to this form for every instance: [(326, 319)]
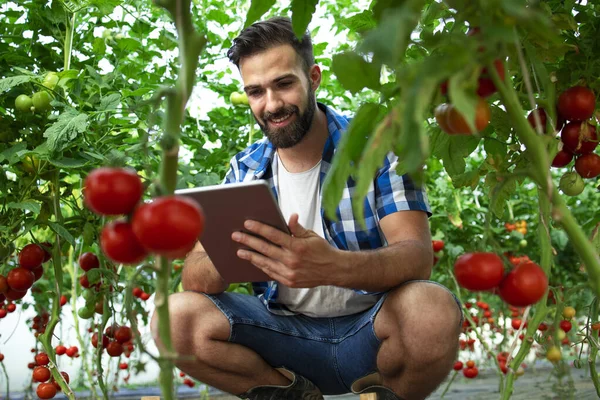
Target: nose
[(274, 102)]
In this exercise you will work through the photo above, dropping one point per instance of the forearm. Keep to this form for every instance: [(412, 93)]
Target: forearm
[(384, 268), (200, 275)]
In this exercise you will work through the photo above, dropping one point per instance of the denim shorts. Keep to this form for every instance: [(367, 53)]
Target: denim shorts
[(331, 352)]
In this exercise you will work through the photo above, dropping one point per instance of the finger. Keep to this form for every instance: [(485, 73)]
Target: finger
[(265, 264), (258, 245), (295, 228), (270, 233)]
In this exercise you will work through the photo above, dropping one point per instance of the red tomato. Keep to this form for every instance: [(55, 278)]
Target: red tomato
[(60, 350), (37, 273), (123, 334), (503, 367), (524, 285), (169, 226), (579, 137), (46, 391), (458, 125), (42, 359), (63, 300), (588, 165), (188, 382), (3, 284), (516, 323), (11, 307), (470, 364), (565, 325), (562, 158), (576, 103), (31, 256), (112, 191), (458, 365), (470, 372), (41, 374), (123, 365), (1, 357), (20, 279), (544, 120), (105, 340), (119, 243), (13, 294), (145, 296), (47, 247), (485, 85), (72, 351), (137, 292), (543, 327), (479, 271), (88, 261), (65, 377), (438, 245), (114, 349)]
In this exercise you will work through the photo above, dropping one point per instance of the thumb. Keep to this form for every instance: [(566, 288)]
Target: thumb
[(295, 228)]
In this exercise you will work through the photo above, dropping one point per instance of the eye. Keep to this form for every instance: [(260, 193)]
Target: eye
[(253, 93), (285, 84)]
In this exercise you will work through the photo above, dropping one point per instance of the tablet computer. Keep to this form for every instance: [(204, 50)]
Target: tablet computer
[(226, 207)]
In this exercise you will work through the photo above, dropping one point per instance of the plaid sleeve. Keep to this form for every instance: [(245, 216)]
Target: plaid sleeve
[(397, 193), (233, 173)]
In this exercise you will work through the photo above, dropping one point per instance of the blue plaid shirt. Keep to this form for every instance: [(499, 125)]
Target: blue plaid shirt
[(388, 193)]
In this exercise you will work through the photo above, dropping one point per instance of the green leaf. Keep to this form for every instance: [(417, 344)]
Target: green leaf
[(564, 21), (110, 102), (65, 130), (12, 154), (257, 10), (62, 232), (347, 155), (29, 205), (355, 73), (453, 149), (501, 122), (500, 192), (302, 12), (468, 179), (360, 22), (561, 240), (8, 83), (379, 144), (68, 163)]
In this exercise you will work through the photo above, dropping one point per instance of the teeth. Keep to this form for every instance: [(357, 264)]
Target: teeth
[(281, 119)]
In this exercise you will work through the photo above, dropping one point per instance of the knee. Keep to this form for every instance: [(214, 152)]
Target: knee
[(192, 317), (420, 316)]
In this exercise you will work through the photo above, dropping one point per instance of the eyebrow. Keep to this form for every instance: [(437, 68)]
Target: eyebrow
[(278, 79)]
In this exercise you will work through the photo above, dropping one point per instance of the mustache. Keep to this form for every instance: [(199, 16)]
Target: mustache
[(282, 112)]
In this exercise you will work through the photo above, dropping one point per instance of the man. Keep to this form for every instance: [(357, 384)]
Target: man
[(348, 309)]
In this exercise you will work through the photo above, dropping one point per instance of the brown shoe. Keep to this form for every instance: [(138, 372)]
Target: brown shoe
[(300, 389), (382, 392)]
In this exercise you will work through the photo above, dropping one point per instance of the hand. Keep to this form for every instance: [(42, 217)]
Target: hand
[(303, 260)]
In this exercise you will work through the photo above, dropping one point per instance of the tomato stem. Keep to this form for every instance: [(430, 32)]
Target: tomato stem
[(594, 350)]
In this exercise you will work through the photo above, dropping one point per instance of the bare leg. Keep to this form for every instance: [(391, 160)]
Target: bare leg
[(419, 328), (199, 328)]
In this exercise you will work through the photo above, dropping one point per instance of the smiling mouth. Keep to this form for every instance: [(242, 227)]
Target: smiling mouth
[(280, 120)]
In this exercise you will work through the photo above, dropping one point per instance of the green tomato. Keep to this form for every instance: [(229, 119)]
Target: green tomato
[(41, 101), (238, 98), (88, 295), (571, 184), (85, 312), (244, 98), (119, 36), (50, 80), (107, 34), (523, 243), (23, 103)]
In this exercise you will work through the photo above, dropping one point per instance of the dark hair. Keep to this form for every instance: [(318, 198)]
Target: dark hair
[(264, 35)]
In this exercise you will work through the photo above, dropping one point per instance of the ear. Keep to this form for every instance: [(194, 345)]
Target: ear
[(315, 76)]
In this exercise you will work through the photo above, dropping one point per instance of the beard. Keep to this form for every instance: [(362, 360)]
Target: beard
[(292, 134)]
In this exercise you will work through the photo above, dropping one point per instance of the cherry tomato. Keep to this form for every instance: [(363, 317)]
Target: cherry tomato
[(123, 365), (119, 243), (23, 103), (105, 340), (20, 279), (72, 351), (114, 349), (544, 120), (13, 294), (576, 103), (458, 365), (112, 191), (479, 271), (169, 226), (588, 165), (441, 116), (3, 284), (569, 312), (41, 374), (438, 245), (46, 391), (63, 300), (565, 326), (41, 101), (42, 359), (524, 285), (88, 261), (571, 183), (579, 137), (470, 364), (562, 158), (31, 256), (123, 334), (553, 354), (458, 125), (485, 85), (60, 350), (47, 247), (137, 292), (470, 372)]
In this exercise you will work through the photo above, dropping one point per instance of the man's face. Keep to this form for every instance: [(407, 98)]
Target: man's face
[(280, 95)]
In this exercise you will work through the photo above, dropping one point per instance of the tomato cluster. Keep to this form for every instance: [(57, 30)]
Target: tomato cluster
[(40, 101), (579, 137), (519, 226), (19, 280), (116, 340), (524, 285), (168, 226)]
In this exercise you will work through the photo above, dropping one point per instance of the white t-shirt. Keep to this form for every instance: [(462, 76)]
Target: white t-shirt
[(300, 193)]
